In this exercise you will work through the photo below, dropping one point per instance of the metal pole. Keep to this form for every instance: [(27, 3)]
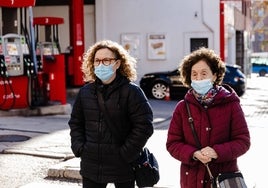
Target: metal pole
[(32, 38)]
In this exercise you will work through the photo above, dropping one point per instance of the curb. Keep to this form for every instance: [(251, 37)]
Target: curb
[(39, 111), (44, 110), (67, 169), (38, 154)]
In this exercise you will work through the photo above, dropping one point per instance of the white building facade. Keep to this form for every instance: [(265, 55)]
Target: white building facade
[(158, 33)]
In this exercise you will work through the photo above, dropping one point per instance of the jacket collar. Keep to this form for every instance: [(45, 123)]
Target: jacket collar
[(225, 95), (110, 88)]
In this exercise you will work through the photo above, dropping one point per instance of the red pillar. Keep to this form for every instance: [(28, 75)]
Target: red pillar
[(222, 40), (77, 39)]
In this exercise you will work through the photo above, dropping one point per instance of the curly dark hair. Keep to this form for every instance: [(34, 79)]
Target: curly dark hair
[(210, 57), (128, 63)]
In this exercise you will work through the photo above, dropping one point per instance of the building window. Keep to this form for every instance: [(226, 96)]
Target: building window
[(196, 43)]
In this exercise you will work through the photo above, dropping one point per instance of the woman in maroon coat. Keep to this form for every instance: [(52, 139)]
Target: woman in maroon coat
[(218, 120)]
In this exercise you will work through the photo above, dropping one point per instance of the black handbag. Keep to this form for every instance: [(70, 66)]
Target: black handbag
[(223, 180), (233, 179), (146, 167)]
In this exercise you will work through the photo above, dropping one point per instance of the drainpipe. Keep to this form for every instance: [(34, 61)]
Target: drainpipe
[(222, 41)]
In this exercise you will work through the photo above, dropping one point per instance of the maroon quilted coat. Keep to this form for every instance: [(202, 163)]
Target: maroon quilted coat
[(221, 125)]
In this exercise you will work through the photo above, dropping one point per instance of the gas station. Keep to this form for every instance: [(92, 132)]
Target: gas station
[(33, 70)]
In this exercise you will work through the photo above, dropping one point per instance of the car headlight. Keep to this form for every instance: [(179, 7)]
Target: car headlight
[(237, 79)]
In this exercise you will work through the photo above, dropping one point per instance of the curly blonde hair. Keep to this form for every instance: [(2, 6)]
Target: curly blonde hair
[(127, 67), (210, 57)]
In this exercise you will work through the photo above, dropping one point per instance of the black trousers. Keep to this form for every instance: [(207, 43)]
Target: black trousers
[(87, 183)]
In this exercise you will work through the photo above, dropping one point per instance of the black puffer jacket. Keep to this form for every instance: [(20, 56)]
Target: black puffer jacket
[(103, 157)]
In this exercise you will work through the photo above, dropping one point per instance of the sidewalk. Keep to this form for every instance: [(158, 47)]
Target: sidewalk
[(169, 167), (57, 145), (252, 164)]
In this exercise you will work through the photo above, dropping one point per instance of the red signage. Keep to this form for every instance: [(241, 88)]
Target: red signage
[(13, 92), (48, 21), (17, 3)]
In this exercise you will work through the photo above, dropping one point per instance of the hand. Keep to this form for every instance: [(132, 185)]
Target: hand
[(203, 158), (209, 152)]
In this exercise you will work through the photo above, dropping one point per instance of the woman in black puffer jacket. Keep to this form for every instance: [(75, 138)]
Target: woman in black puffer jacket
[(107, 157)]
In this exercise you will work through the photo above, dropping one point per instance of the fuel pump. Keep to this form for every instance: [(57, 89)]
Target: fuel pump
[(42, 75), (53, 62), (18, 62), (13, 54), (12, 48)]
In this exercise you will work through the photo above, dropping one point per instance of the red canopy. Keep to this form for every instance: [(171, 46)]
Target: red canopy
[(17, 3)]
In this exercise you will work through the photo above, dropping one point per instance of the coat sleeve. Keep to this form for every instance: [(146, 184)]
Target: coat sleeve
[(239, 142), (177, 144), (141, 119), (76, 124)]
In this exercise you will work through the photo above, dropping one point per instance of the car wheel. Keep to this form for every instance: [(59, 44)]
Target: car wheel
[(159, 90), (262, 72)]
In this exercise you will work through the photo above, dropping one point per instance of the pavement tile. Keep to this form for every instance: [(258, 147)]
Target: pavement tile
[(46, 185), (55, 145)]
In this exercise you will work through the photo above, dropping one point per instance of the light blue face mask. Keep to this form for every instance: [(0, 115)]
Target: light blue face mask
[(202, 86), (104, 72)]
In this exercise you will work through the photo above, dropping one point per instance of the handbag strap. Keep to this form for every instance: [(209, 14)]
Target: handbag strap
[(107, 117), (191, 121)]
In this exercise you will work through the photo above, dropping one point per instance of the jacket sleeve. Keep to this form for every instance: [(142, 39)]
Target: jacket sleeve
[(76, 124), (141, 119), (239, 142), (176, 143)]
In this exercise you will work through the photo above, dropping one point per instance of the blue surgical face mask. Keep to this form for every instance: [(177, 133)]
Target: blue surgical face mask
[(202, 86), (104, 72)]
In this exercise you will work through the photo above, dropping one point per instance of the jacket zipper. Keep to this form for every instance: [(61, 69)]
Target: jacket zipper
[(99, 146)]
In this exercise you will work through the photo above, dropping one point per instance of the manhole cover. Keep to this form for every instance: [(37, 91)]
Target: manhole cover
[(13, 138)]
